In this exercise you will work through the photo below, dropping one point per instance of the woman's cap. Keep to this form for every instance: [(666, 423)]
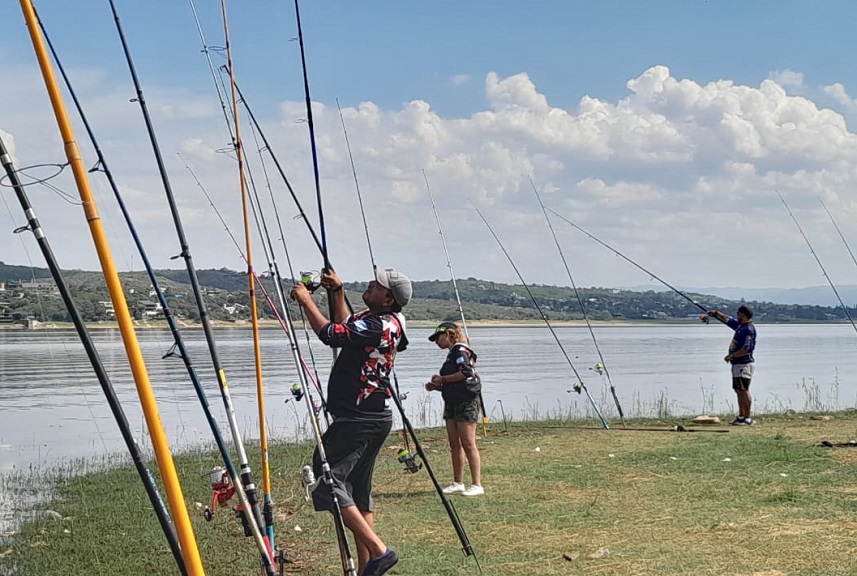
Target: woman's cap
[(442, 327), (397, 283)]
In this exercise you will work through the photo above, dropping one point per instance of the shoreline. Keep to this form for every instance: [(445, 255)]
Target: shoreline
[(273, 324)]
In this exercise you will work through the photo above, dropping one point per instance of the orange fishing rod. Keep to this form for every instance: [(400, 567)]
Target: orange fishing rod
[(268, 506), (172, 487)]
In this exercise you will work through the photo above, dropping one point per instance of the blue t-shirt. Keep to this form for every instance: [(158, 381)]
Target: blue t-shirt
[(745, 337)]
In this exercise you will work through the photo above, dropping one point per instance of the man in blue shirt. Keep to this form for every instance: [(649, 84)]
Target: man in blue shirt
[(740, 356)]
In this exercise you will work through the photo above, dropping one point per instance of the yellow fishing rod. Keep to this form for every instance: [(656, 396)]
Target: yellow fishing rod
[(172, 487), (268, 506)]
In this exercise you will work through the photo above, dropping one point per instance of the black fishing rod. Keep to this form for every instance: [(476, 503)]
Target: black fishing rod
[(818, 261), (579, 385), (703, 318), (466, 547), (457, 295), (253, 518), (603, 363), (303, 371), (113, 402), (311, 127), (178, 340)]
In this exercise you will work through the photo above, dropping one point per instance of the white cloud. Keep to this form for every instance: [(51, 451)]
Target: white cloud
[(679, 174)]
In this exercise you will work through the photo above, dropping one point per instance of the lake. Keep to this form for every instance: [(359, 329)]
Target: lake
[(52, 408)]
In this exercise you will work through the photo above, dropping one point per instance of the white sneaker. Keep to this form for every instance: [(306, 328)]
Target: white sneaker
[(455, 488), (474, 490)]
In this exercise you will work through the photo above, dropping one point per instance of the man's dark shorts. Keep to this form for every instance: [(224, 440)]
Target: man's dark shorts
[(351, 448), (463, 412), (742, 374)]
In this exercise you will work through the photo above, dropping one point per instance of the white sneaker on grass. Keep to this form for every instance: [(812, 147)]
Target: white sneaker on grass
[(455, 488), (474, 490)]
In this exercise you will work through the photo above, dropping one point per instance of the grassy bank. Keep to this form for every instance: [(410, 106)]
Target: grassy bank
[(562, 498)]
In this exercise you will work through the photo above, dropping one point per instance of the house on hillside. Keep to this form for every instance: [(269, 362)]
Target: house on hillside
[(233, 309), (105, 308), (40, 286), (149, 309)]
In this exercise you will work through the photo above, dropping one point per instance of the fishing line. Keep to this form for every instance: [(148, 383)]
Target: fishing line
[(603, 363), (841, 235), (818, 261), (254, 521), (651, 274), (579, 385), (103, 167), (149, 485), (184, 529), (457, 295)]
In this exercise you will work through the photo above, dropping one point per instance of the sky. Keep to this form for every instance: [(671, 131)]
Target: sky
[(666, 129)]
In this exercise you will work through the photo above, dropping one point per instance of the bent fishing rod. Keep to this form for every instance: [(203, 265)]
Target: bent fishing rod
[(603, 363), (579, 385), (304, 376), (169, 476), (818, 261), (113, 402), (702, 317), (457, 295), (178, 340), (254, 521)]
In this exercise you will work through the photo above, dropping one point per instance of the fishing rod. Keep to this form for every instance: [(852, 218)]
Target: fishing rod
[(268, 503), (113, 402), (818, 261), (357, 186), (178, 340), (311, 127), (841, 235), (304, 375), (457, 295), (602, 366), (702, 317), (253, 521), (579, 385), (206, 49), (466, 547), (172, 486)]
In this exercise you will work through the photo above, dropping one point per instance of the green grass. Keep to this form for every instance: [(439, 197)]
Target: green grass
[(762, 501)]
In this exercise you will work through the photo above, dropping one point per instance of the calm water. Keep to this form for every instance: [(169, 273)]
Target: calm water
[(52, 408)]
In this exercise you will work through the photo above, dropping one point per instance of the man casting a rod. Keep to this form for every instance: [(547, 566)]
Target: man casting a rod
[(740, 357), (358, 393)]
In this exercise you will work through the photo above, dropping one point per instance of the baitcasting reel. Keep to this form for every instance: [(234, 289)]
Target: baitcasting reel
[(406, 458)]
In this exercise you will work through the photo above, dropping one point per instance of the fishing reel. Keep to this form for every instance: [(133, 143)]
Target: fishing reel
[(411, 465), (222, 490), (309, 481), (297, 392), (599, 368), (704, 318), (308, 280), (577, 387)]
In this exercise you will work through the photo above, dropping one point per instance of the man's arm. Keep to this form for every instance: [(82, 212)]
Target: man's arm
[(316, 319), (338, 307)]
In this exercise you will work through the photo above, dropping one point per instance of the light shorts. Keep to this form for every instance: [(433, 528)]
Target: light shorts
[(743, 370)]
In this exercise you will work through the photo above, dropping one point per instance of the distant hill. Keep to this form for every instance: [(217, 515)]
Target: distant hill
[(811, 296), (227, 299)]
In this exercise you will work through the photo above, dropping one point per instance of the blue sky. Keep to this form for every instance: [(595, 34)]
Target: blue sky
[(665, 128)]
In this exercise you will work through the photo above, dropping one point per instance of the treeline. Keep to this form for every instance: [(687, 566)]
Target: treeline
[(227, 299)]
